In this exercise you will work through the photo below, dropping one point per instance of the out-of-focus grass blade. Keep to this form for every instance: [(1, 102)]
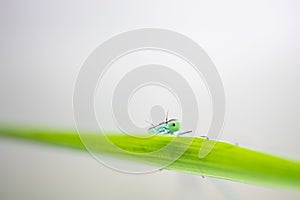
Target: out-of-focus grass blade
[(226, 161)]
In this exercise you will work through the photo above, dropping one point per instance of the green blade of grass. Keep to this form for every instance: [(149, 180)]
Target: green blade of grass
[(226, 161)]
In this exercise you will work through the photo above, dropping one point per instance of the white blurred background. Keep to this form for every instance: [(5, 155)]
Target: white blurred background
[(255, 46)]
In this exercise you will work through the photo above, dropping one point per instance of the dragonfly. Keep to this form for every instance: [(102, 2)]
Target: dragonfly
[(168, 127)]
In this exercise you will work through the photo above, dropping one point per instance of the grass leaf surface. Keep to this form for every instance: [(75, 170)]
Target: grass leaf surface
[(225, 161)]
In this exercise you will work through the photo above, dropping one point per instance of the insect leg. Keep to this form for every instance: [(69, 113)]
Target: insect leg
[(150, 123), (182, 133), (204, 136)]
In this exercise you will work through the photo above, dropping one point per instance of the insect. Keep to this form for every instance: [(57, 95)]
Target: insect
[(168, 127)]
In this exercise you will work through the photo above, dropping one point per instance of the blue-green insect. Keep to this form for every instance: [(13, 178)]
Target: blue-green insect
[(168, 127)]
